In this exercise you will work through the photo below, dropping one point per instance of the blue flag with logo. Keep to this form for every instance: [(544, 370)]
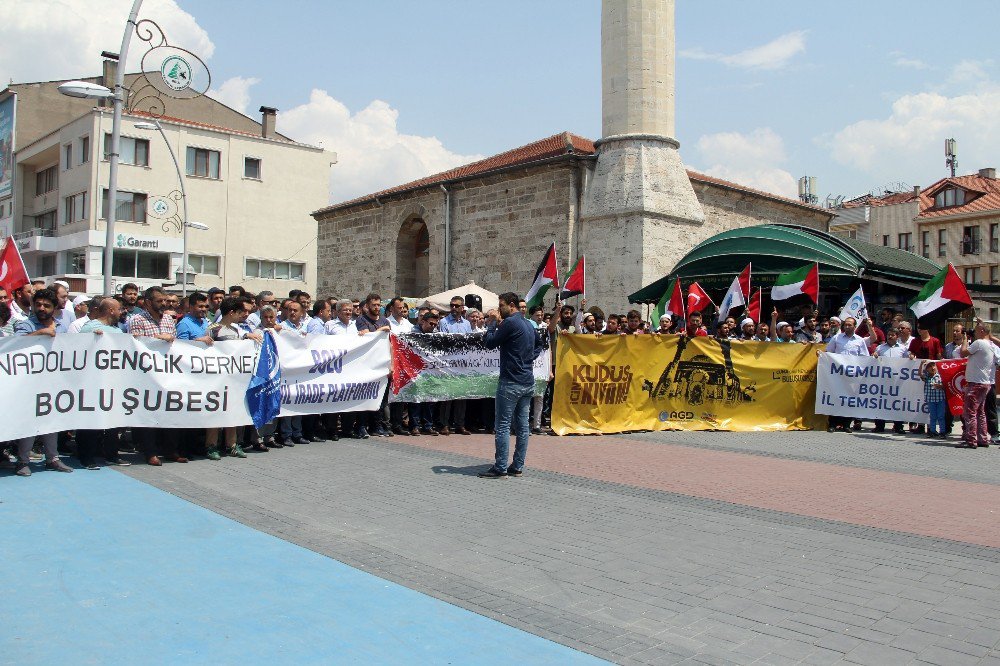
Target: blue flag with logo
[(264, 392)]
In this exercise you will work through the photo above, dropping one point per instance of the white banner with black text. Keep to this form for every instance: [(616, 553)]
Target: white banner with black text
[(862, 387), (94, 382), (321, 374)]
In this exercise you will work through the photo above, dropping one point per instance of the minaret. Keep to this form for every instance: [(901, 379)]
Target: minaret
[(639, 209)]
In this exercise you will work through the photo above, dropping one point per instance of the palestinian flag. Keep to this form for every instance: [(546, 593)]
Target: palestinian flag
[(430, 367), (545, 277), (671, 303), (803, 281), (576, 282), (942, 297)]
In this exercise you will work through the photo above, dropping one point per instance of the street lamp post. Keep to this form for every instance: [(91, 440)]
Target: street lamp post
[(155, 125), (118, 95)]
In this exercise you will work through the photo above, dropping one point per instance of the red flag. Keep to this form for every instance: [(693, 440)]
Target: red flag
[(952, 373), (753, 307), (697, 299), (576, 281), (745, 282), (13, 274), (406, 364)]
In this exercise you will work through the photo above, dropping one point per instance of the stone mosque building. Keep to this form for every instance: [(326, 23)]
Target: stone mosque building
[(626, 201)]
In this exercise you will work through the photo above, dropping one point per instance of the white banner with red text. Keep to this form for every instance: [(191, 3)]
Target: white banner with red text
[(876, 389)]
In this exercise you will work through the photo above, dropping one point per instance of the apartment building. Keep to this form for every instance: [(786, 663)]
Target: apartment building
[(955, 220), (249, 190)]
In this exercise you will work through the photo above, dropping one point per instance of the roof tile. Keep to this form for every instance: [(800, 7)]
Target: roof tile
[(988, 200), (564, 143)]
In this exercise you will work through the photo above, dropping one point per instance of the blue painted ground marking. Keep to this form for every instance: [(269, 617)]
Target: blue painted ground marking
[(103, 569)]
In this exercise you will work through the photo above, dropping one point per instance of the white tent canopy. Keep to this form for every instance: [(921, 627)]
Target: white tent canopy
[(442, 301)]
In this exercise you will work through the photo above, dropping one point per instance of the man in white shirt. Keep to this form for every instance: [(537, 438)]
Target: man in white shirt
[(343, 320), (980, 372), (849, 343), (398, 322), (400, 325), (891, 348), (89, 309)]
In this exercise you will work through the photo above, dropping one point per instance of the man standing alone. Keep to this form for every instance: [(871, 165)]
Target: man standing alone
[(979, 377), (519, 347)]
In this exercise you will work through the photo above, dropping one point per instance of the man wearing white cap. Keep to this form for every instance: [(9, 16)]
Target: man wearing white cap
[(747, 329), (666, 324), (82, 307)]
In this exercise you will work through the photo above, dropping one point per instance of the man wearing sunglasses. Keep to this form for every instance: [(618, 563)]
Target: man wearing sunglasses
[(263, 298)]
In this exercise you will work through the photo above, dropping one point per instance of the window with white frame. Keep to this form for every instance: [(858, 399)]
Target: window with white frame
[(274, 270), (942, 242), (75, 208), (251, 168), (972, 275), (202, 162), (205, 264), (131, 206), (84, 149), (131, 151), (952, 196), (46, 180), (76, 262)]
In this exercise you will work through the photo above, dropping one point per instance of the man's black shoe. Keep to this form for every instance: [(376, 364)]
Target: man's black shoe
[(492, 474), (514, 472), (300, 440), (398, 430), (362, 433)]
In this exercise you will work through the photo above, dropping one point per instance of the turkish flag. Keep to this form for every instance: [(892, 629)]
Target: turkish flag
[(952, 374), (753, 308), (12, 272), (697, 299)]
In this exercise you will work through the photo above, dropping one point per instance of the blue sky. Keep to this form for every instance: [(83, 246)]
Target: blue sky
[(858, 94)]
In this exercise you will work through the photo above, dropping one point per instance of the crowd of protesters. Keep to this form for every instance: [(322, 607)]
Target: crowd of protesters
[(39, 309), (207, 317)]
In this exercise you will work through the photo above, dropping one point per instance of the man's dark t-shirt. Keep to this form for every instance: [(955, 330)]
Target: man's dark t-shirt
[(365, 322)]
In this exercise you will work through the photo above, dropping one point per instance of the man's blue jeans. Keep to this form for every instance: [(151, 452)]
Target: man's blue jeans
[(513, 401)]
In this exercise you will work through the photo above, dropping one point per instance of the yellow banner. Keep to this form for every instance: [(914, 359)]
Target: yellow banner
[(650, 382)]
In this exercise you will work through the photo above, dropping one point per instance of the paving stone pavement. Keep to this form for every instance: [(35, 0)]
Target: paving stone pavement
[(633, 575), (907, 453)]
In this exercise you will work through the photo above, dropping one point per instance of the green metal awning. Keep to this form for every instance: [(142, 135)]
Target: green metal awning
[(774, 249)]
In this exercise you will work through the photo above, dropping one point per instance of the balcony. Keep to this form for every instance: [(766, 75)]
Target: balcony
[(38, 231)]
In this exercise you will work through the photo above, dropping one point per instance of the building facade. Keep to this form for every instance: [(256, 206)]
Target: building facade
[(491, 221), (955, 220), (251, 187)]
